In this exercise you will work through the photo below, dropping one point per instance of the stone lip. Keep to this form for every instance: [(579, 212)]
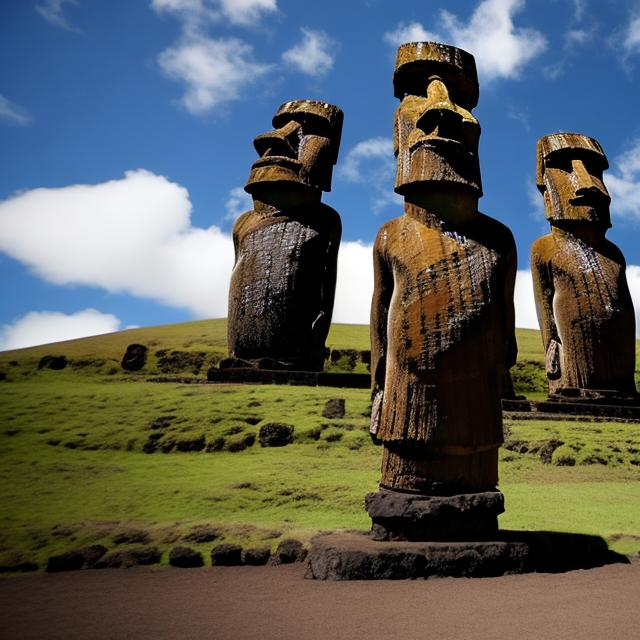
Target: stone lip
[(355, 556), (408, 516)]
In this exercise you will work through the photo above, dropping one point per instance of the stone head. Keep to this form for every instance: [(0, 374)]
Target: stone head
[(569, 176), (300, 151), (435, 134)]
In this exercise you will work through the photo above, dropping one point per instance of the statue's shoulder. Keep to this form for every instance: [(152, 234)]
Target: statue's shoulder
[(496, 233), (544, 247), (244, 222), (389, 231)]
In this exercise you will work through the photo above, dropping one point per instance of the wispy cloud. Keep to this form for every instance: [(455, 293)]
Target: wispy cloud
[(237, 203), (314, 54), (12, 113), (371, 162), (409, 32), (43, 327), (198, 12), (501, 49), (623, 182), (52, 12), (214, 70), (631, 37)]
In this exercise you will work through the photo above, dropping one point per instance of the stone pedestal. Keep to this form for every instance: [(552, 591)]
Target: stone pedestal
[(356, 556), (407, 516)]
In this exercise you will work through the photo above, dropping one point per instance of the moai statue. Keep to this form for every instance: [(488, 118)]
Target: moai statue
[(582, 298), (283, 281), (442, 317)]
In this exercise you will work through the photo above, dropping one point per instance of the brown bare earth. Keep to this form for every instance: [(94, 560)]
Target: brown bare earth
[(276, 602)]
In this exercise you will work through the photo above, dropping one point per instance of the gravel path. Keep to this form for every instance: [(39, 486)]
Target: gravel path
[(234, 603)]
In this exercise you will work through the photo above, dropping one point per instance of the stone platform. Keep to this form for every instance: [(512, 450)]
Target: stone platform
[(356, 556), (279, 376)]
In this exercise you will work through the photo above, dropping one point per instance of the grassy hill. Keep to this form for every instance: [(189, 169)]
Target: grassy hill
[(92, 454)]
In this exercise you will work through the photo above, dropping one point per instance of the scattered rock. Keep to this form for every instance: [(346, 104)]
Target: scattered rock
[(365, 356), (15, 563), (69, 561), (253, 420), (275, 434), (185, 557), (216, 445), (190, 444), (130, 558), (256, 556), (162, 422), (151, 444), (547, 449), (231, 431), (254, 403), (3, 375), (226, 555), (334, 408), (518, 446), (565, 461), (135, 357), (334, 436), (241, 445), (177, 361), (53, 362), (288, 551), (595, 459), (92, 554), (202, 533), (131, 536)]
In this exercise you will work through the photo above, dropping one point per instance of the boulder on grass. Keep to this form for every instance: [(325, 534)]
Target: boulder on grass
[(226, 555), (69, 561), (53, 362), (275, 434), (256, 556), (288, 551), (135, 357), (185, 557), (334, 408)]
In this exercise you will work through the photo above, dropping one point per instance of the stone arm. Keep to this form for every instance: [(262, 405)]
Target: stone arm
[(383, 284), (511, 346), (544, 291), (322, 322)]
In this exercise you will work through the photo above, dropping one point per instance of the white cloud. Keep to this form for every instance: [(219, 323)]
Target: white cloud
[(633, 278), (197, 12), (631, 37), (214, 70), (578, 9), (13, 113), (575, 37), (526, 317), (313, 55), (371, 163), (51, 11), (43, 327), (623, 182), (132, 235), (354, 286), (237, 203), (500, 48), (409, 32)]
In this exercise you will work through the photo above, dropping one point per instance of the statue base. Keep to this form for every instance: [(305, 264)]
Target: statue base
[(356, 556), (595, 396), (412, 516)]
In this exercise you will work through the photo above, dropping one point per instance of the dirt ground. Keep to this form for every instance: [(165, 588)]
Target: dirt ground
[(234, 603)]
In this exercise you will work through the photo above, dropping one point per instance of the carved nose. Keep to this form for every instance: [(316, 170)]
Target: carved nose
[(441, 117), (280, 142)]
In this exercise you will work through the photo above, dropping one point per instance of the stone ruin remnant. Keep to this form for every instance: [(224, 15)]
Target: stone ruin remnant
[(283, 281), (442, 316), (582, 298)]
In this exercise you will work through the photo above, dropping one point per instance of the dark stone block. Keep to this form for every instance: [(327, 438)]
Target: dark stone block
[(69, 561), (202, 533), (275, 434), (53, 362), (226, 555), (17, 564), (131, 536), (355, 556), (256, 556), (185, 557), (335, 408), (130, 558), (135, 357), (408, 516), (190, 444), (289, 551)]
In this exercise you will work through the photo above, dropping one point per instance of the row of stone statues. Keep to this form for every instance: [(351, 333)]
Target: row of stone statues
[(442, 316)]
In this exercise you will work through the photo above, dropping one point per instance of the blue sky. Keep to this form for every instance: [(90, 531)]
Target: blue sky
[(126, 131)]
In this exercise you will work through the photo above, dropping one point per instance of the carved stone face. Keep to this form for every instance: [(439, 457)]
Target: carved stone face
[(570, 168), (435, 134), (301, 150)]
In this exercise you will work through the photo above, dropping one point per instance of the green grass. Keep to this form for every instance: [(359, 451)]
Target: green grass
[(73, 471)]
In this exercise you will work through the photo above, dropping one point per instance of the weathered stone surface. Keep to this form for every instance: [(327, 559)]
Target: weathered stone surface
[(131, 536), (194, 443), (442, 318), (226, 555), (405, 516), (289, 551), (582, 297), (256, 556), (202, 533), (355, 556), (16, 563), (275, 434), (130, 558), (52, 362), (68, 561), (178, 361), (135, 357), (185, 557), (283, 281), (335, 408), (308, 378)]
